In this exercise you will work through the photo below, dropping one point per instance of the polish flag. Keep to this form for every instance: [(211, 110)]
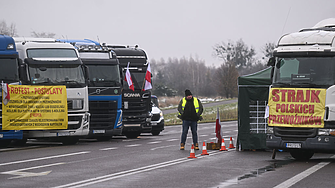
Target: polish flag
[(148, 79), (128, 78), (5, 93), (218, 130)]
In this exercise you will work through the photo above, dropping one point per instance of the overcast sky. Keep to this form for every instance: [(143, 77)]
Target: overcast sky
[(167, 28)]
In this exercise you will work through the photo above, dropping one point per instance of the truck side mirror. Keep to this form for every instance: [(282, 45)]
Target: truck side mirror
[(271, 61), (22, 73), (86, 72)]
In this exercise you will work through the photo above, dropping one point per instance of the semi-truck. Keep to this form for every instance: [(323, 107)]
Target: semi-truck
[(136, 105), (9, 74), (47, 62), (104, 87), (301, 106)]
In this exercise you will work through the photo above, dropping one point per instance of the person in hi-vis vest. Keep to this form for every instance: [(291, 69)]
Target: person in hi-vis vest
[(190, 110)]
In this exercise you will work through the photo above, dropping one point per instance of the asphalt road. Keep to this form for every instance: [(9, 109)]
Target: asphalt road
[(156, 161)]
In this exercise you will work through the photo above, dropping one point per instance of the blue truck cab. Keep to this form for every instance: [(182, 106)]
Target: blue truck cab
[(9, 66), (104, 88)]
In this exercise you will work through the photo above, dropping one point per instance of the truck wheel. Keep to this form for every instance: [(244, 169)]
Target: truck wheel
[(301, 155), (155, 133), (132, 135), (4, 143), (20, 142), (104, 138), (70, 141)]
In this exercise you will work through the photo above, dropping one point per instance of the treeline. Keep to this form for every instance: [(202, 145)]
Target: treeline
[(171, 77)]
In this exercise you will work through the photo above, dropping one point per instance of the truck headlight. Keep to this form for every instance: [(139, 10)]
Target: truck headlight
[(269, 130), (326, 132), (77, 104)]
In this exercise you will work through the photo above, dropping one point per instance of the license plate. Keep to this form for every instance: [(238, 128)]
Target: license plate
[(293, 145), (63, 134), (98, 131), (153, 123), (1, 135)]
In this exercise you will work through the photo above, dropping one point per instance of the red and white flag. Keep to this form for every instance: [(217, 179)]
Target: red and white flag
[(5, 93), (218, 130), (148, 85), (128, 78)]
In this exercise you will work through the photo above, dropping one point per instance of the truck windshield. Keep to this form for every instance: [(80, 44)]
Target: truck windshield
[(52, 53), (104, 75), (9, 70), (137, 78), (305, 71), (70, 75)]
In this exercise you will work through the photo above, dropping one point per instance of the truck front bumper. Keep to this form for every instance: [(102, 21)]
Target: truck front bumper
[(318, 143)]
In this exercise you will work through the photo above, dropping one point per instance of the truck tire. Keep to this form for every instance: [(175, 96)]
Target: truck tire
[(4, 143), (301, 155), (70, 140), (20, 142), (104, 138), (155, 133), (132, 134)]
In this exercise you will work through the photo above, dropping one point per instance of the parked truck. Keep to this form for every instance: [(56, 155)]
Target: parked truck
[(9, 74), (301, 103), (104, 88), (57, 63), (136, 105)]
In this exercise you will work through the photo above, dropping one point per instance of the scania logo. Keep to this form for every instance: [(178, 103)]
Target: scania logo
[(131, 95)]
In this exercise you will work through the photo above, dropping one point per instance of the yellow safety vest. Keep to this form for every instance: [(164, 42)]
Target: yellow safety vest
[(195, 103)]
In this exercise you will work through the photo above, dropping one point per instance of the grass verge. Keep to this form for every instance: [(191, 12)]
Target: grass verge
[(228, 112)]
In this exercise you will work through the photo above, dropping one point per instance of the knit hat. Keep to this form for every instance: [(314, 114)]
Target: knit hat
[(187, 92)]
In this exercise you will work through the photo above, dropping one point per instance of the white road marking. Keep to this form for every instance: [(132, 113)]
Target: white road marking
[(105, 149), (20, 174), (162, 147), (132, 171), (43, 158), (133, 145), (156, 142), (173, 139), (302, 175)]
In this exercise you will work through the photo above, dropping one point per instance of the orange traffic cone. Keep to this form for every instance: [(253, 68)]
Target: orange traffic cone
[(223, 146), (231, 145), (192, 154), (204, 149)]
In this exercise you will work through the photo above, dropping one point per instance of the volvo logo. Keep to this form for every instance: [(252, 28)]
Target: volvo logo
[(131, 95), (97, 91)]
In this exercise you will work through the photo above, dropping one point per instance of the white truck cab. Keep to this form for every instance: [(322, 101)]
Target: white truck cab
[(57, 63), (301, 97)]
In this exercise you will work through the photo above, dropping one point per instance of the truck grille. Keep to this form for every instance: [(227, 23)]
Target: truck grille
[(135, 107), (103, 114), (294, 132)]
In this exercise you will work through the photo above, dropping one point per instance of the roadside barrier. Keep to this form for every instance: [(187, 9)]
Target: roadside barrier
[(223, 146), (192, 154), (204, 149), (231, 145)]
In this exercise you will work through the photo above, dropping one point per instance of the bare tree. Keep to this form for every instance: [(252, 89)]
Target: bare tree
[(42, 35), (10, 31), (226, 80), (268, 49), (239, 54)]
